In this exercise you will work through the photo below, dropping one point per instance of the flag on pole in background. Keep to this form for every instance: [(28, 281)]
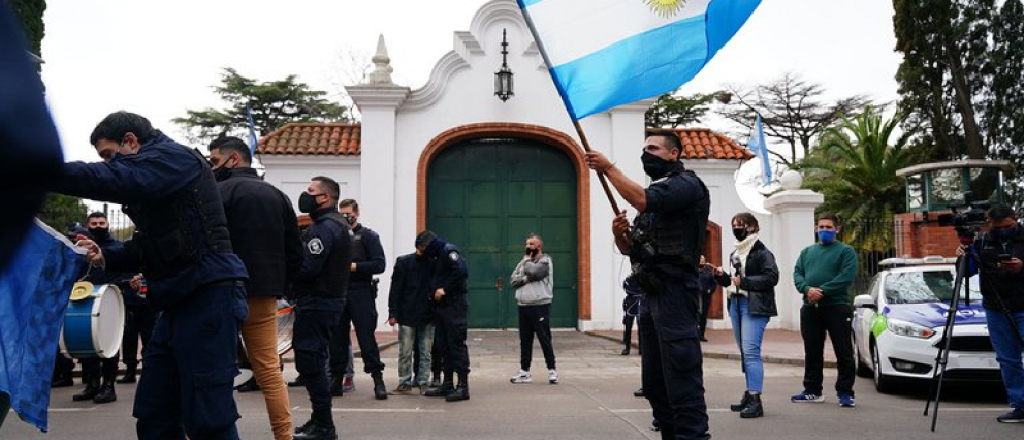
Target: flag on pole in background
[(34, 292), (604, 53), (253, 140), (757, 145)]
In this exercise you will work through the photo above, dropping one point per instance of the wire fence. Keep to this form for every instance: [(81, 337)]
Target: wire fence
[(68, 219)]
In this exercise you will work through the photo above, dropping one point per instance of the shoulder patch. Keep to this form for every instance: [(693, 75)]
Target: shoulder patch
[(315, 246), (453, 255)]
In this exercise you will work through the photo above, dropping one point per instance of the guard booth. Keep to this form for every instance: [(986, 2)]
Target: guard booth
[(931, 190)]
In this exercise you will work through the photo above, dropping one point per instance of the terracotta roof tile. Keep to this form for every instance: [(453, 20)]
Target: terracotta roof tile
[(703, 143), (312, 139)]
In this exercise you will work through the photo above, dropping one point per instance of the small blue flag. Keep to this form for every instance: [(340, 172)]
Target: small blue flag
[(757, 145), (253, 140), (34, 292)]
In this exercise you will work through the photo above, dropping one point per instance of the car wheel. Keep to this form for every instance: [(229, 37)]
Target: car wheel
[(883, 383), (863, 369)]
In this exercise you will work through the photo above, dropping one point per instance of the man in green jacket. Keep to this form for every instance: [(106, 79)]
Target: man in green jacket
[(823, 275)]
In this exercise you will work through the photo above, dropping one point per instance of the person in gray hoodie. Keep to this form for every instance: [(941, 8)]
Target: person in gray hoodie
[(532, 280)]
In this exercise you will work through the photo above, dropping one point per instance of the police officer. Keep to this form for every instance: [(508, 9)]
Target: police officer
[(320, 290), (447, 290), (182, 247), (265, 235), (664, 245), (94, 369), (360, 306)]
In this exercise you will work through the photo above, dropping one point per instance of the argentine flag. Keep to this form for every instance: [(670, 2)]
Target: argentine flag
[(604, 53)]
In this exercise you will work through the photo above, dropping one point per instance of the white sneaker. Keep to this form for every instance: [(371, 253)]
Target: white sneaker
[(552, 376), (522, 377)]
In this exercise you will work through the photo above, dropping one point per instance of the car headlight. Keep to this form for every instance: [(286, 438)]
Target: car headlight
[(909, 329)]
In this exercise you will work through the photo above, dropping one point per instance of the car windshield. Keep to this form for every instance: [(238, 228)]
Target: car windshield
[(924, 287)]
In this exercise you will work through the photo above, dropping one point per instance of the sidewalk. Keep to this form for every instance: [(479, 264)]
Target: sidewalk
[(780, 346)]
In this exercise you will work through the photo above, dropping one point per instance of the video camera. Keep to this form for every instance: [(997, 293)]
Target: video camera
[(967, 217)]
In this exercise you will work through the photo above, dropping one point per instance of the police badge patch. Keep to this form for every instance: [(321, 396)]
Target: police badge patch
[(315, 246), (454, 256)]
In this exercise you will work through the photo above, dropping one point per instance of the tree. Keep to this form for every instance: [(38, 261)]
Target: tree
[(855, 168), (31, 13), (1004, 108), (792, 110), (945, 44), (274, 104), (672, 111), (59, 211)]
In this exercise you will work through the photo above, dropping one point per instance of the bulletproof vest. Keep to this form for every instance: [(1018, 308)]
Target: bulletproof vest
[(333, 279), (675, 237), (174, 232), (359, 254)]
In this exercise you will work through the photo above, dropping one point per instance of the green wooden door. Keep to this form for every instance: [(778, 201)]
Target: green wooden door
[(485, 196)]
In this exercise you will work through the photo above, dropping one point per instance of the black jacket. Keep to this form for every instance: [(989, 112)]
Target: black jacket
[(264, 231), (999, 287), (760, 275), (326, 262), (408, 300)]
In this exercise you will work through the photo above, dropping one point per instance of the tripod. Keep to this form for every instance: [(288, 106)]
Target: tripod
[(942, 355)]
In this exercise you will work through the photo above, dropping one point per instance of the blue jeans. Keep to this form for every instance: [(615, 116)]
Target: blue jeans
[(421, 337), (1006, 341), (749, 333)]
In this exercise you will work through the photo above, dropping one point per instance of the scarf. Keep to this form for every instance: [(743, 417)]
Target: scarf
[(742, 251)]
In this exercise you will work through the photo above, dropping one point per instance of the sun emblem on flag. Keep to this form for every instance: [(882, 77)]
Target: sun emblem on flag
[(666, 8)]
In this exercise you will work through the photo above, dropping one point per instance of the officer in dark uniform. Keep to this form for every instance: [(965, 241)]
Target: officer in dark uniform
[(182, 247), (447, 288), (95, 369), (320, 290), (664, 245), (360, 306)]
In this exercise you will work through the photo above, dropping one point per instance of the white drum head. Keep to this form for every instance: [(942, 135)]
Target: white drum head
[(243, 376), (108, 321), (285, 322)]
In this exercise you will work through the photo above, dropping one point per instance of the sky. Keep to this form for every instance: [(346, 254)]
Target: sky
[(161, 57)]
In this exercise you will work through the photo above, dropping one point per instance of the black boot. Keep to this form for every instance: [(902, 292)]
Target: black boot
[(625, 351), (444, 390), (106, 394), (337, 385), (435, 381), (754, 408), (62, 381), (249, 386), (461, 391), (298, 382), (92, 388), (737, 407), (129, 374), (639, 392), (380, 391), (319, 427)]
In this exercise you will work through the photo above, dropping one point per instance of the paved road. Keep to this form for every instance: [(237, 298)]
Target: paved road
[(593, 401)]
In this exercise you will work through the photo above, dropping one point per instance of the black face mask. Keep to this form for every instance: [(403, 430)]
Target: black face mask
[(221, 173), (307, 203), (531, 252), (1005, 234), (351, 219), (656, 167), (740, 233), (100, 233)]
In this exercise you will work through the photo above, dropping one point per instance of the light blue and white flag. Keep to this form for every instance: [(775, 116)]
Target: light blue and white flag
[(34, 291), (253, 140), (757, 145), (604, 53)]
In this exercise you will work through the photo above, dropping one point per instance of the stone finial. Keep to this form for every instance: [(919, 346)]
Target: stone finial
[(381, 74), (791, 180)]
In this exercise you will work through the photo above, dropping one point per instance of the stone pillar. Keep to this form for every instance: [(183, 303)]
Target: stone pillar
[(791, 229), (378, 100)]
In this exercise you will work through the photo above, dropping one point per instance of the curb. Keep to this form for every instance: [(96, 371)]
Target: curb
[(720, 355)]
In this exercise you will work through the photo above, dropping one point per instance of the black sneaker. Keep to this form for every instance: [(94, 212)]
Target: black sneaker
[(1015, 416), (298, 382), (248, 386)]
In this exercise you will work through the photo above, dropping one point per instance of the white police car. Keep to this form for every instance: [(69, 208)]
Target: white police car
[(898, 324)]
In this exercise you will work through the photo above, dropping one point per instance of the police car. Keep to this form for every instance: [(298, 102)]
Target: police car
[(898, 324)]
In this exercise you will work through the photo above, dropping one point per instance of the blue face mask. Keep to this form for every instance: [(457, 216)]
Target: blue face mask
[(827, 237)]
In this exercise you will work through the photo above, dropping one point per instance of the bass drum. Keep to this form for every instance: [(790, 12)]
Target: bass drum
[(285, 323), (94, 325)]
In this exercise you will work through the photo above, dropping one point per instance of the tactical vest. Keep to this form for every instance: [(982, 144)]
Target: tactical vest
[(174, 232), (359, 254), (333, 279), (674, 237)]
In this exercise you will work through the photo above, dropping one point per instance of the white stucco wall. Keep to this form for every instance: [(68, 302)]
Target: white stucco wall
[(292, 173)]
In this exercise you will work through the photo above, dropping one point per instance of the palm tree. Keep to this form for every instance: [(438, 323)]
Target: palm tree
[(855, 168)]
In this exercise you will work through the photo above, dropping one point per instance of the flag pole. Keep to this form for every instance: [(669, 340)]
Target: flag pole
[(575, 122)]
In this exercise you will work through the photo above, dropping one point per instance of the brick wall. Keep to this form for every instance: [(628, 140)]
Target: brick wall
[(919, 235)]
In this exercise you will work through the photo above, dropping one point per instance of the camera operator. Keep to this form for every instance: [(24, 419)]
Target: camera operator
[(1000, 251)]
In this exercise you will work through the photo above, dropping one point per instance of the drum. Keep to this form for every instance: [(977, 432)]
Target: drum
[(285, 322), (94, 324)]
